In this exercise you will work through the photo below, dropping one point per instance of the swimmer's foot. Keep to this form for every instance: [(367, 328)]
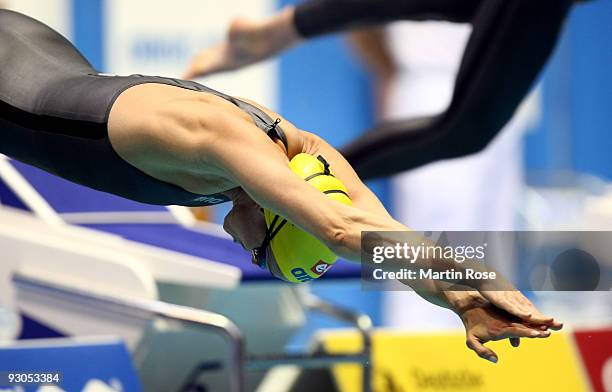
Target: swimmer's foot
[(247, 42)]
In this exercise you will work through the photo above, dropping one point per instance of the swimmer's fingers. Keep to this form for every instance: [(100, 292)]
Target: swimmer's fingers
[(536, 322), (556, 325), (539, 319), (486, 322), (515, 303), (477, 345), (515, 331), (514, 336)]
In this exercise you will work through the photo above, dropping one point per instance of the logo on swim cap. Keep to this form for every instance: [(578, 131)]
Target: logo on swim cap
[(320, 268), (301, 275)]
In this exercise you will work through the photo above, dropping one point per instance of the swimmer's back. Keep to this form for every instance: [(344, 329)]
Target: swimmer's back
[(55, 107)]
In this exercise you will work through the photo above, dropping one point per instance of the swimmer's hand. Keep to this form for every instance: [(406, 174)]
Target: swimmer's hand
[(486, 322), (248, 41)]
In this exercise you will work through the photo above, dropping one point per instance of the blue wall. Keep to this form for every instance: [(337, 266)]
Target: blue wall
[(577, 97), (88, 30), (591, 68)]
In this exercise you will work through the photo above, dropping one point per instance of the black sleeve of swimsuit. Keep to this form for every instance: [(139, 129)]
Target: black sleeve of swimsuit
[(317, 17)]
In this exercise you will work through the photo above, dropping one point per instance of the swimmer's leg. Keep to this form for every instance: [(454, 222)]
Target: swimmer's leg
[(317, 17), (510, 44), (42, 119)]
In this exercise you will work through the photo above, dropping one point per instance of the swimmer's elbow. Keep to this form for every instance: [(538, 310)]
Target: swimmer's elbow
[(335, 239), (310, 141), (337, 233)]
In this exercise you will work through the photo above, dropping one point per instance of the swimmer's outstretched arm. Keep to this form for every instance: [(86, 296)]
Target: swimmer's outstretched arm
[(267, 179), (261, 169), (249, 41)]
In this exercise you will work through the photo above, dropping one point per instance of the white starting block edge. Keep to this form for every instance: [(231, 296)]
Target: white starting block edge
[(164, 265)]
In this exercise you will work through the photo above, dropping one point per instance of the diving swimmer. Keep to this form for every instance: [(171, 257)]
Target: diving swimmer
[(166, 141)]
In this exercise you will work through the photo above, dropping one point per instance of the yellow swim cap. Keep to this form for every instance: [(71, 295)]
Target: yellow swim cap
[(293, 254)]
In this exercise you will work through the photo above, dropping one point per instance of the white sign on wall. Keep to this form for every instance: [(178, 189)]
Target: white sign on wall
[(154, 37)]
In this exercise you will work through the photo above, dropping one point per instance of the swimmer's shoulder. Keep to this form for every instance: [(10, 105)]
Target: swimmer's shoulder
[(294, 135), (150, 106)]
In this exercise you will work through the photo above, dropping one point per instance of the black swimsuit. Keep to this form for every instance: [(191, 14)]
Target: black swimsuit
[(54, 109)]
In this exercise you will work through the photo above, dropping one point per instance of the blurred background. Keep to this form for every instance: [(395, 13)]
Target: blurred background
[(549, 169)]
